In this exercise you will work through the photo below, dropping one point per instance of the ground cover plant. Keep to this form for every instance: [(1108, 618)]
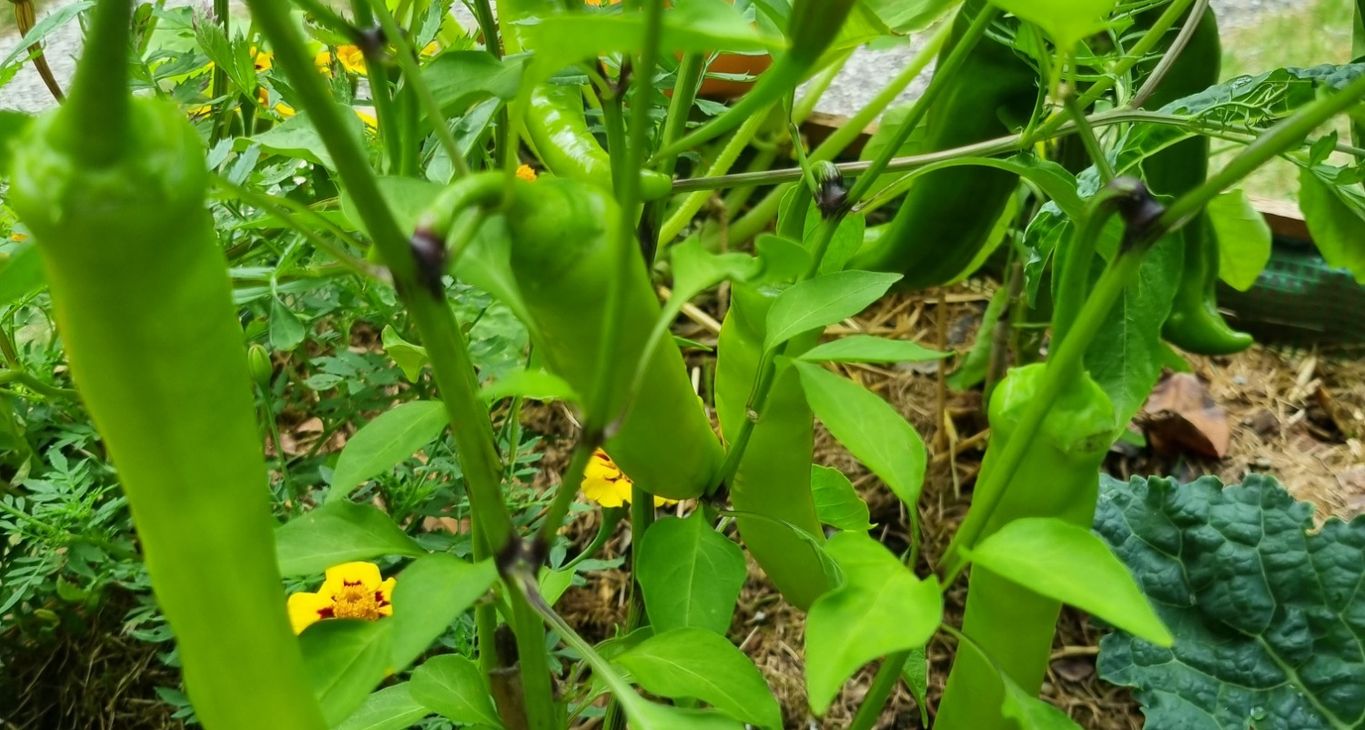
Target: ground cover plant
[(404, 238)]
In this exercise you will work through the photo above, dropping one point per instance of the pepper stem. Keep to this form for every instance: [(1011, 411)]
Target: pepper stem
[(94, 122)]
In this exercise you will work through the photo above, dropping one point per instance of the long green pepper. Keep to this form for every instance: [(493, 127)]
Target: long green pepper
[(1058, 478), (114, 189), (948, 215), (1194, 325)]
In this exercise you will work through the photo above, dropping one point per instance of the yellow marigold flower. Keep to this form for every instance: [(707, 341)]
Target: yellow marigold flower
[(528, 173), (323, 62), (351, 590), (263, 96), (262, 60), (198, 111), (18, 237), (352, 59), (605, 483), (368, 118), (430, 49)]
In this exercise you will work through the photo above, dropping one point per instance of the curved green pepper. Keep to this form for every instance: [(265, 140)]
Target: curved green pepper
[(1195, 324), (1059, 478), (561, 256), (773, 478), (948, 215), (556, 124), (113, 189), (558, 130)]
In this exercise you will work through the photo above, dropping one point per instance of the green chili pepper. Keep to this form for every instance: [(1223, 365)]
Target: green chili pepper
[(558, 129), (1059, 478), (811, 28), (772, 481), (555, 121), (1194, 325), (562, 253), (113, 189), (948, 215)]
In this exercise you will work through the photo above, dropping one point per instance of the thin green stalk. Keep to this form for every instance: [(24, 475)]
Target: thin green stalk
[(412, 75), (283, 208), (1171, 56), (690, 71), (805, 106), (690, 205), (883, 683), (943, 76), (1088, 138), (35, 385), (446, 346), (1073, 269), (488, 25), (765, 210), (381, 94), (1145, 44)]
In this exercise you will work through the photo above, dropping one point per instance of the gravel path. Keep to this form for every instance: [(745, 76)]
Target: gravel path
[(859, 81)]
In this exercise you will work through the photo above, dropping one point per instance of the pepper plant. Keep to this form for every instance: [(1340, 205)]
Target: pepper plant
[(551, 160)]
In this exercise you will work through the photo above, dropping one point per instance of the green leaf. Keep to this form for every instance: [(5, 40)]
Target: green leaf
[(532, 384), (881, 608), (1244, 239), (21, 274), (868, 427), (826, 299), (459, 79), (383, 443), (782, 259), (690, 574), (695, 270), (428, 596), (1336, 220), (972, 369), (345, 659), (1067, 563), (391, 708), (45, 25), (296, 137), (904, 16), (1067, 21), (455, 688), (1265, 605), (700, 664), (915, 674), (866, 348), (836, 501), (1030, 712), (286, 331), (698, 26), (12, 124), (410, 358), (335, 533), (1127, 355)]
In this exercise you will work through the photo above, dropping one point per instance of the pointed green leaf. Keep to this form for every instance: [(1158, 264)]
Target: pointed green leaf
[(383, 443), (869, 428), (286, 331), (700, 664), (345, 659), (391, 708), (534, 384), (1067, 21), (455, 688), (881, 608), (335, 533), (1070, 564), (836, 501), (866, 348), (428, 596), (410, 358), (1030, 712), (1336, 218), (690, 574), (1244, 239), (816, 303), (21, 274)]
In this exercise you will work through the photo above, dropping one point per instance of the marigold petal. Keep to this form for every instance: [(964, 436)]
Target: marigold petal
[(366, 574), (605, 493), (304, 608), (386, 589)]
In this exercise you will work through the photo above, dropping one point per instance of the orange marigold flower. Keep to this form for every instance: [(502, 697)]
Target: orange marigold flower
[(350, 590), (528, 173)]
